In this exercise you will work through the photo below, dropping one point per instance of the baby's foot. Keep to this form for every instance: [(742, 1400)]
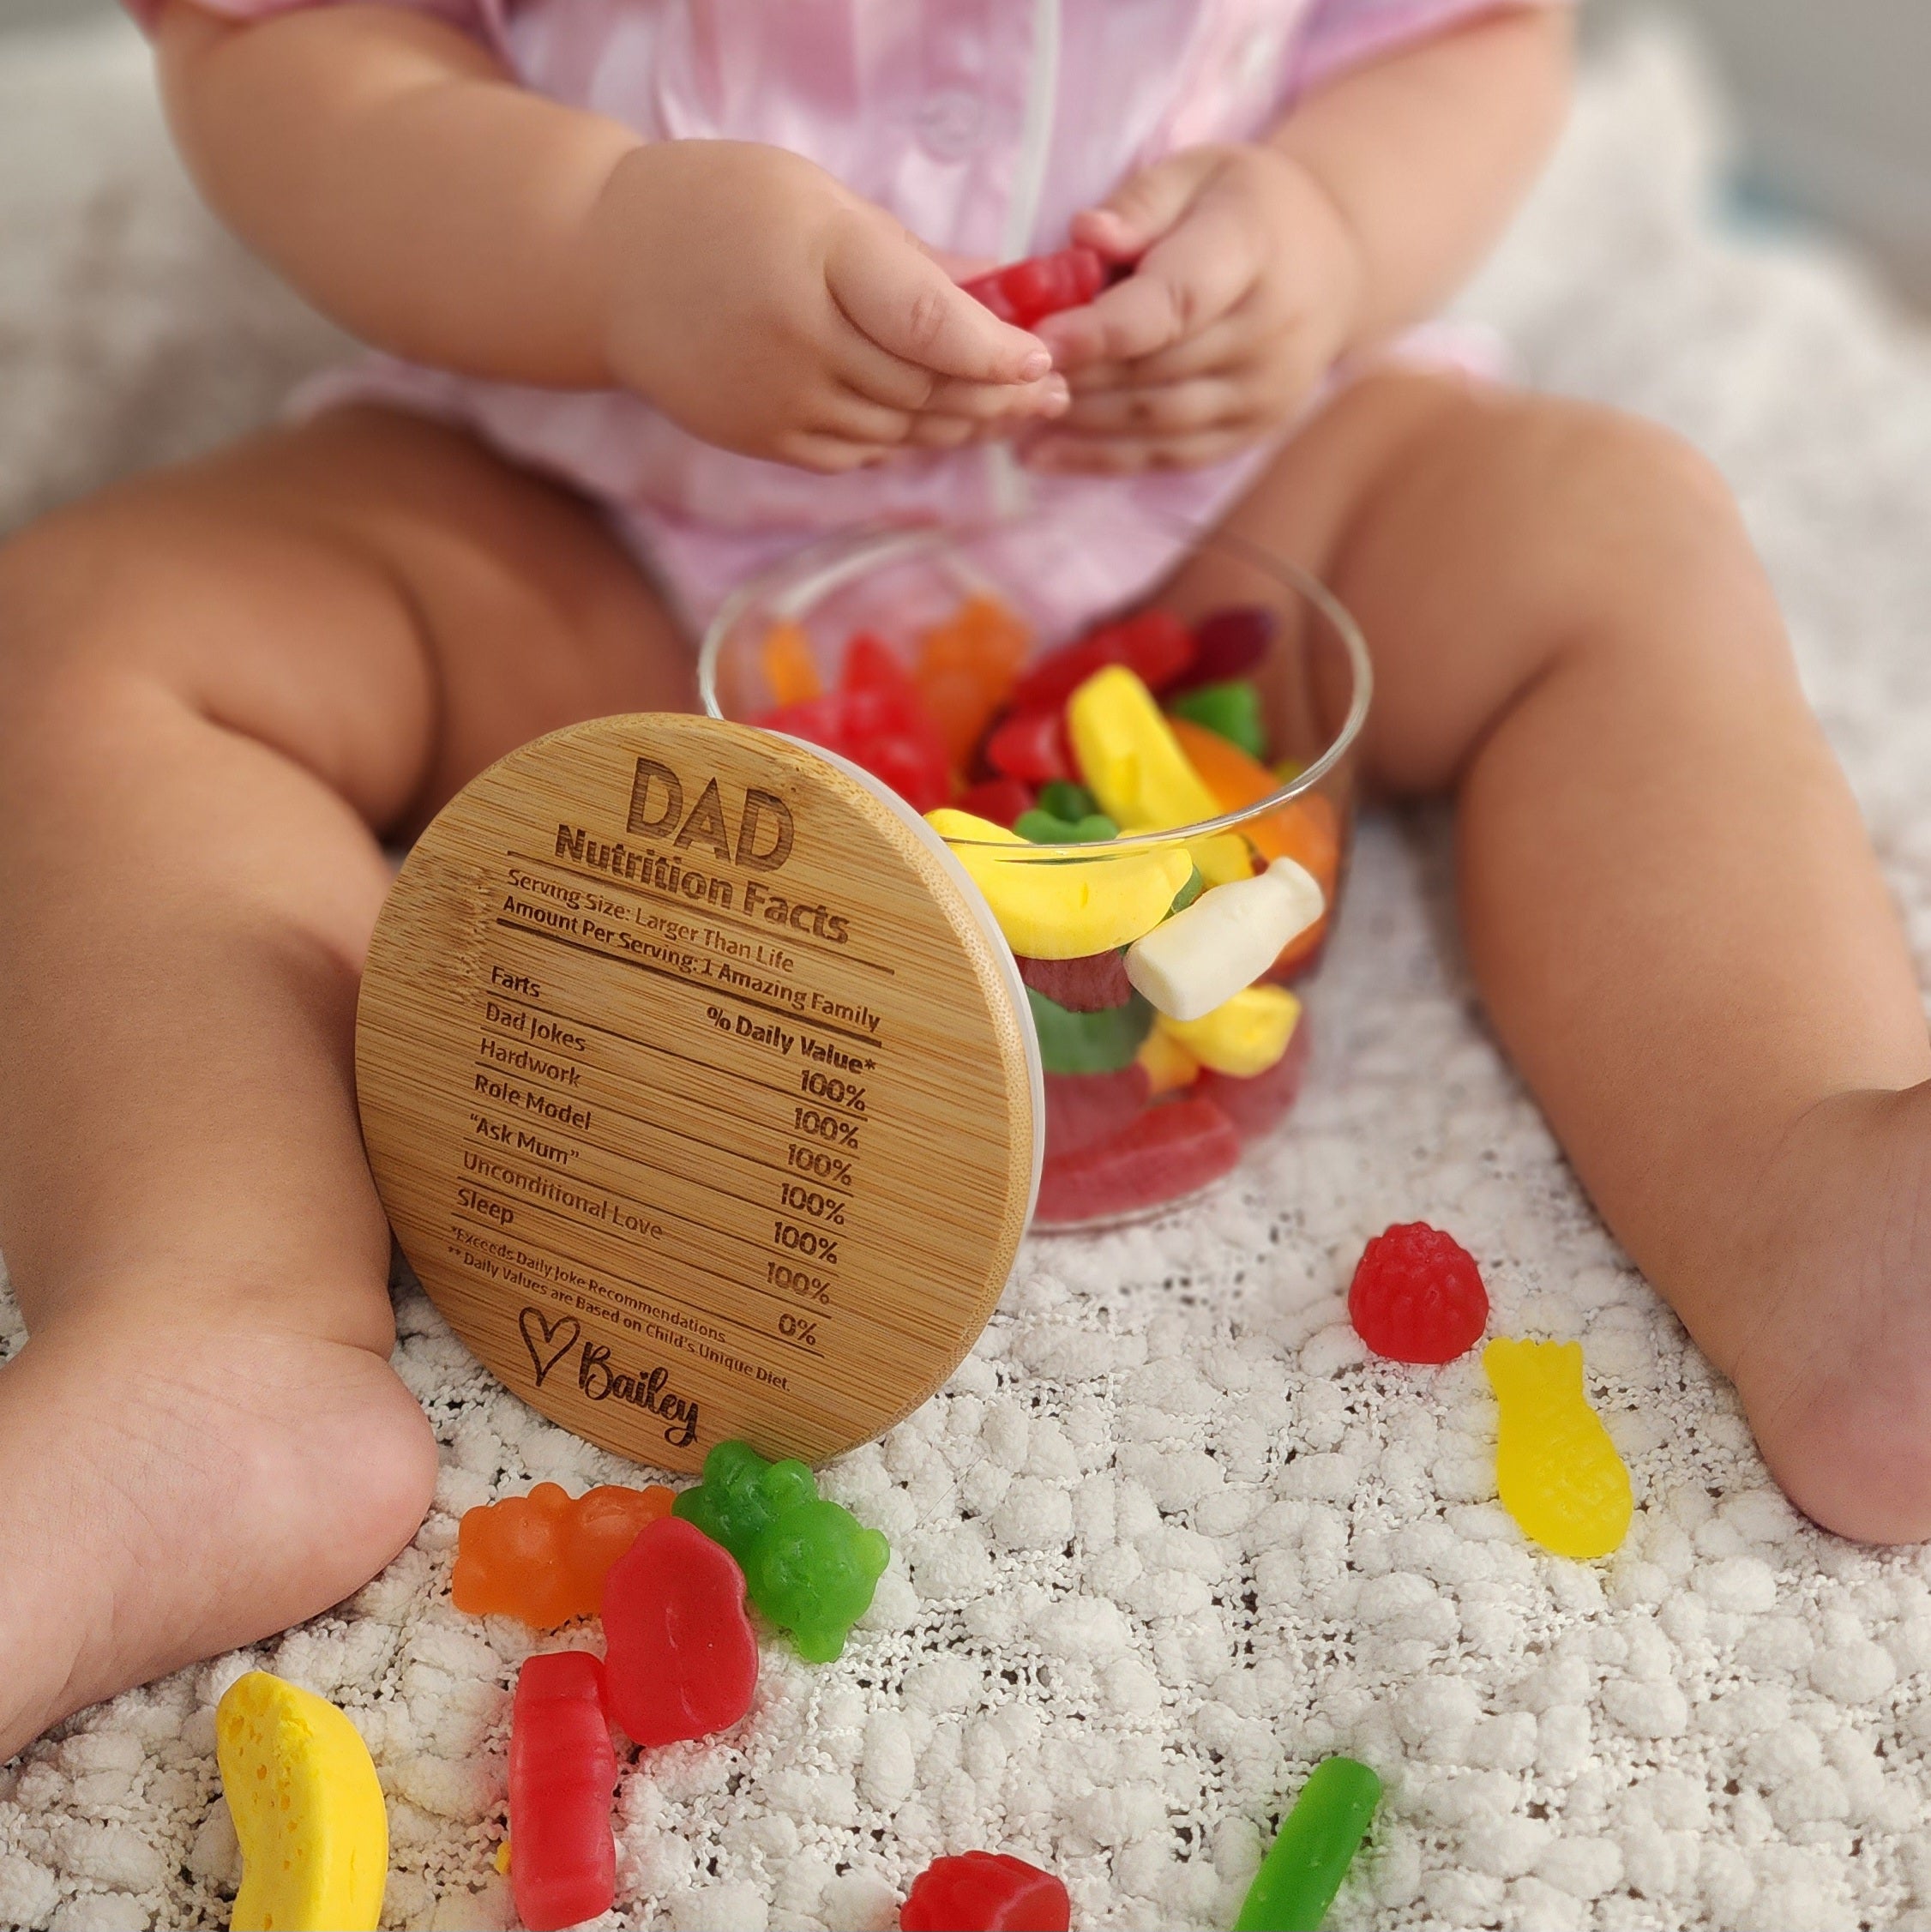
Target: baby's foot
[(1833, 1358), (168, 1492)]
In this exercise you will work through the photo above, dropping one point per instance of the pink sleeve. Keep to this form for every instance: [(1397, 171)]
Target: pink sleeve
[(1342, 33), (474, 16)]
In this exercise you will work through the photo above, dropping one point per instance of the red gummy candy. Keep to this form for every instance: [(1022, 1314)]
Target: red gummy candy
[(1096, 983), (1025, 292), (1256, 1105), (1000, 800), (562, 1771), (681, 1660), (1154, 644), (1229, 643), (1084, 1108), (1170, 1151), (1032, 745), (877, 718), (986, 1892), (1417, 1295)]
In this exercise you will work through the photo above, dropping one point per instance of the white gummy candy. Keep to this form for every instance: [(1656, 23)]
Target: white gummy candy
[(1225, 940)]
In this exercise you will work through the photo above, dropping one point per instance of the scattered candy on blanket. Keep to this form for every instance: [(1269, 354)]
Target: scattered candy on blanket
[(810, 1565), (1001, 801), (1031, 745), (1230, 643), (1085, 1108), (986, 1892), (1130, 760), (680, 1656), (307, 1809), (1417, 1295), (561, 1774), (1231, 710), (1054, 909), (542, 1557), (1257, 1104), (1024, 293), (1154, 645), (1198, 959), (1089, 986), (1170, 1150), (1167, 1064), (1042, 828), (1088, 1043), (790, 667), (1243, 1036), (1557, 1471), (1318, 1840)]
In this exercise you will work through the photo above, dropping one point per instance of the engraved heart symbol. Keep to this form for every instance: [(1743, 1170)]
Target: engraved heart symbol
[(533, 1324)]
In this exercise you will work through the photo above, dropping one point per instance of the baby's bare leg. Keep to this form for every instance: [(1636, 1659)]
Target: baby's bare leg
[(1670, 905), (213, 684)]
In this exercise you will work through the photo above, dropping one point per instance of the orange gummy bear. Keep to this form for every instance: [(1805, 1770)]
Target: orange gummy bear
[(966, 665), (789, 668), (543, 1557)]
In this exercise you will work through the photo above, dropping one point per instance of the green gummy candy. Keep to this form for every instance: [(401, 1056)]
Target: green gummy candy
[(1188, 893), (1299, 1877), (1089, 1043), (1232, 710), (1067, 801), (1043, 828), (742, 1494)]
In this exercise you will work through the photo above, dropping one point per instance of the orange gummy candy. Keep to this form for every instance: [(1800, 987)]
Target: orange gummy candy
[(966, 665), (789, 668), (543, 1557)]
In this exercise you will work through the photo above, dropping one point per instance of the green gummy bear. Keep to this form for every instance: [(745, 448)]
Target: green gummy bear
[(1043, 828), (1232, 710), (809, 1566), (1089, 1043), (1065, 801), (1301, 1873)]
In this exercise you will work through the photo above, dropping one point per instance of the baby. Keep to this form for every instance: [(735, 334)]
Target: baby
[(667, 288)]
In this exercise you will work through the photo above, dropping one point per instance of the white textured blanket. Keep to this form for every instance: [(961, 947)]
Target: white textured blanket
[(1168, 1537)]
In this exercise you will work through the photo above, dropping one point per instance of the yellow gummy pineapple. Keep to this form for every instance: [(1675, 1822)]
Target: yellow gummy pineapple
[(1559, 1474), (308, 1810)]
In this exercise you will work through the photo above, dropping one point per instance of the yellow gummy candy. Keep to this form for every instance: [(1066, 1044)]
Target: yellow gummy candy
[(1133, 764), (1241, 1037), (1168, 1065), (308, 1810), (1064, 910), (1559, 1474)]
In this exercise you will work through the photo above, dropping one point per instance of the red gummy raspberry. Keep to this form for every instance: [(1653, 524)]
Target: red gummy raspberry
[(1417, 1295)]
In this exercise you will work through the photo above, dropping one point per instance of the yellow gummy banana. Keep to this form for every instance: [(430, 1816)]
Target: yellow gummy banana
[(308, 1810), (1559, 1474), (1241, 1037), (1057, 909), (1133, 764)]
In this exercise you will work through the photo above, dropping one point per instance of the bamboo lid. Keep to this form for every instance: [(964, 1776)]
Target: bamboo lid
[(695, 1083)]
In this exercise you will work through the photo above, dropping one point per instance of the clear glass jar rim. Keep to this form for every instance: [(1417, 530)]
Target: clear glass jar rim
[(823, 565)]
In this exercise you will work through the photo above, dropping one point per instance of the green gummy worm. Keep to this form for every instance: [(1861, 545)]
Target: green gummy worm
[(1299, 1877)]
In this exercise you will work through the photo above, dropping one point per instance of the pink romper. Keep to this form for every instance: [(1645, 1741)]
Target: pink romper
[(984, 125)]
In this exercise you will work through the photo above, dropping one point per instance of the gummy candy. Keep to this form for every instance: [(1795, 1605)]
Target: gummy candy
[(1305, 1865), (986, 1892), (877, 720), (1042, 828), (542, 1557), (791, 670), (680, 1657), (1170, 1151), (1049, 910), (1131, 761), (307, 1807), (1303, 829), (1256, 1104), (1031, 745), (1068, 801), (1558, 1472), (1082, 1109), (1225, 940), (1417, 1295), (1088, 1043), (967, 665), (562, 1773), (1168, 1065), (1229, 643), (1024, 293), (810, 1565), (1229, 710), (1003, 801), (1242, 1036), (1155, 645), (1088, 985)]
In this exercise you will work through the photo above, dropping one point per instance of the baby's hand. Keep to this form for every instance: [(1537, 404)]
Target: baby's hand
[(1246, 291), (767, 309)]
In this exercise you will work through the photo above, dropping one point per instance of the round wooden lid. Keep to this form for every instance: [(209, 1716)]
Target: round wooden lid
[(694, 1081)]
